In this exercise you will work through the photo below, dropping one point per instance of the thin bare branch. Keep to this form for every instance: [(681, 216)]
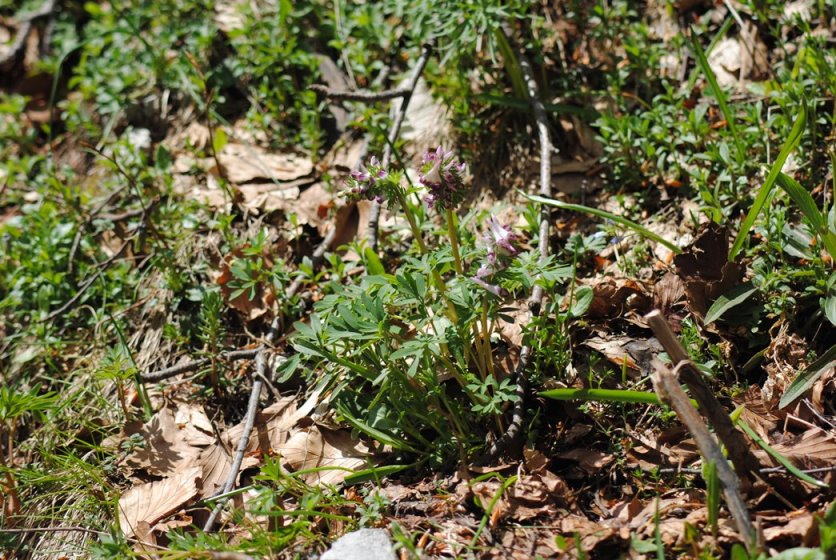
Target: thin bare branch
[(669, 391), (194, 365), (348, 95), (249, 423), (394, 132), (535, 302), (744, 462)]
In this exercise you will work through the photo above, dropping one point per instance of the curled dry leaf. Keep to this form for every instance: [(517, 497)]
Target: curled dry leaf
[(705, 269), (537, 493), (590, 460), (795, 529), (151, 502), (612, 297), (668, 295)]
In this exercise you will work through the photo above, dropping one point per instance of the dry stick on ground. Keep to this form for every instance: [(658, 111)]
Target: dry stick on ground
[(394, 132), (535, 302), (669, 391), (347, 95), (710, 407), (230, 356)]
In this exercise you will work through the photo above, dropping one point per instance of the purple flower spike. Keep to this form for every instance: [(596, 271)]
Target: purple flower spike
[(500, 238), (370, 182), (499, 241), (441, 174)]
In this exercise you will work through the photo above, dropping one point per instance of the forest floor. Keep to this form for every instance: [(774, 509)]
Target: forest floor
[(508, 280)]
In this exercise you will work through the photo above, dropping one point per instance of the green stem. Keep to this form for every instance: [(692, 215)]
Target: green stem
[(454, 242), (486, 333), (422, 247)]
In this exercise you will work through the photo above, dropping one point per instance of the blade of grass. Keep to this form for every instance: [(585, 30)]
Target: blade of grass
[(692, 79), (486, 517), (379, 435), (806, 378), (375, 473), (702, 62), (602, 395), (763, 194), (808, 207), (786, 463), (643, 231), (727, 301)]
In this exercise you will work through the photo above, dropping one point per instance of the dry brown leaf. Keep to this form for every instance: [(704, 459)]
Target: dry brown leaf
[(783, 359), (229, 15), (724, 60), (624, 351), (267, 197), (315, 447), (795, 529), (177, 521), (705, 270), (590, 460), (512, 332), (425, 123), (814, 447), (613, 296), (151, 502), (173, 440), (241, 164), (590, 533), (668, 294)]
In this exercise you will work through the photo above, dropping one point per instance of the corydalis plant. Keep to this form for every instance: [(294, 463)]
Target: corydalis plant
[(373, 182), (499, 240), (441, 173)]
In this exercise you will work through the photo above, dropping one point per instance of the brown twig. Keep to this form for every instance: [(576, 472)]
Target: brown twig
[(249, 423), (71, 529), (669, 391), (535, 302), (710, 407), (348, 95), (167, 373), (394, 132)]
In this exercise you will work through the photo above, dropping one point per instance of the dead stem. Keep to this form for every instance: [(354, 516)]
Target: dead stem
[(394, 132), (536, 300)]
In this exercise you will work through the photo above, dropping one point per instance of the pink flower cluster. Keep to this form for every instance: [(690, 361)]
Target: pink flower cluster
[(441, 173), (368, 182), (500, 243)]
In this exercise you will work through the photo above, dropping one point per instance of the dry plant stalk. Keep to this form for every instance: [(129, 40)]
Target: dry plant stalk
[(535, 302), (394, 132), (688, 373), (667, 387)]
